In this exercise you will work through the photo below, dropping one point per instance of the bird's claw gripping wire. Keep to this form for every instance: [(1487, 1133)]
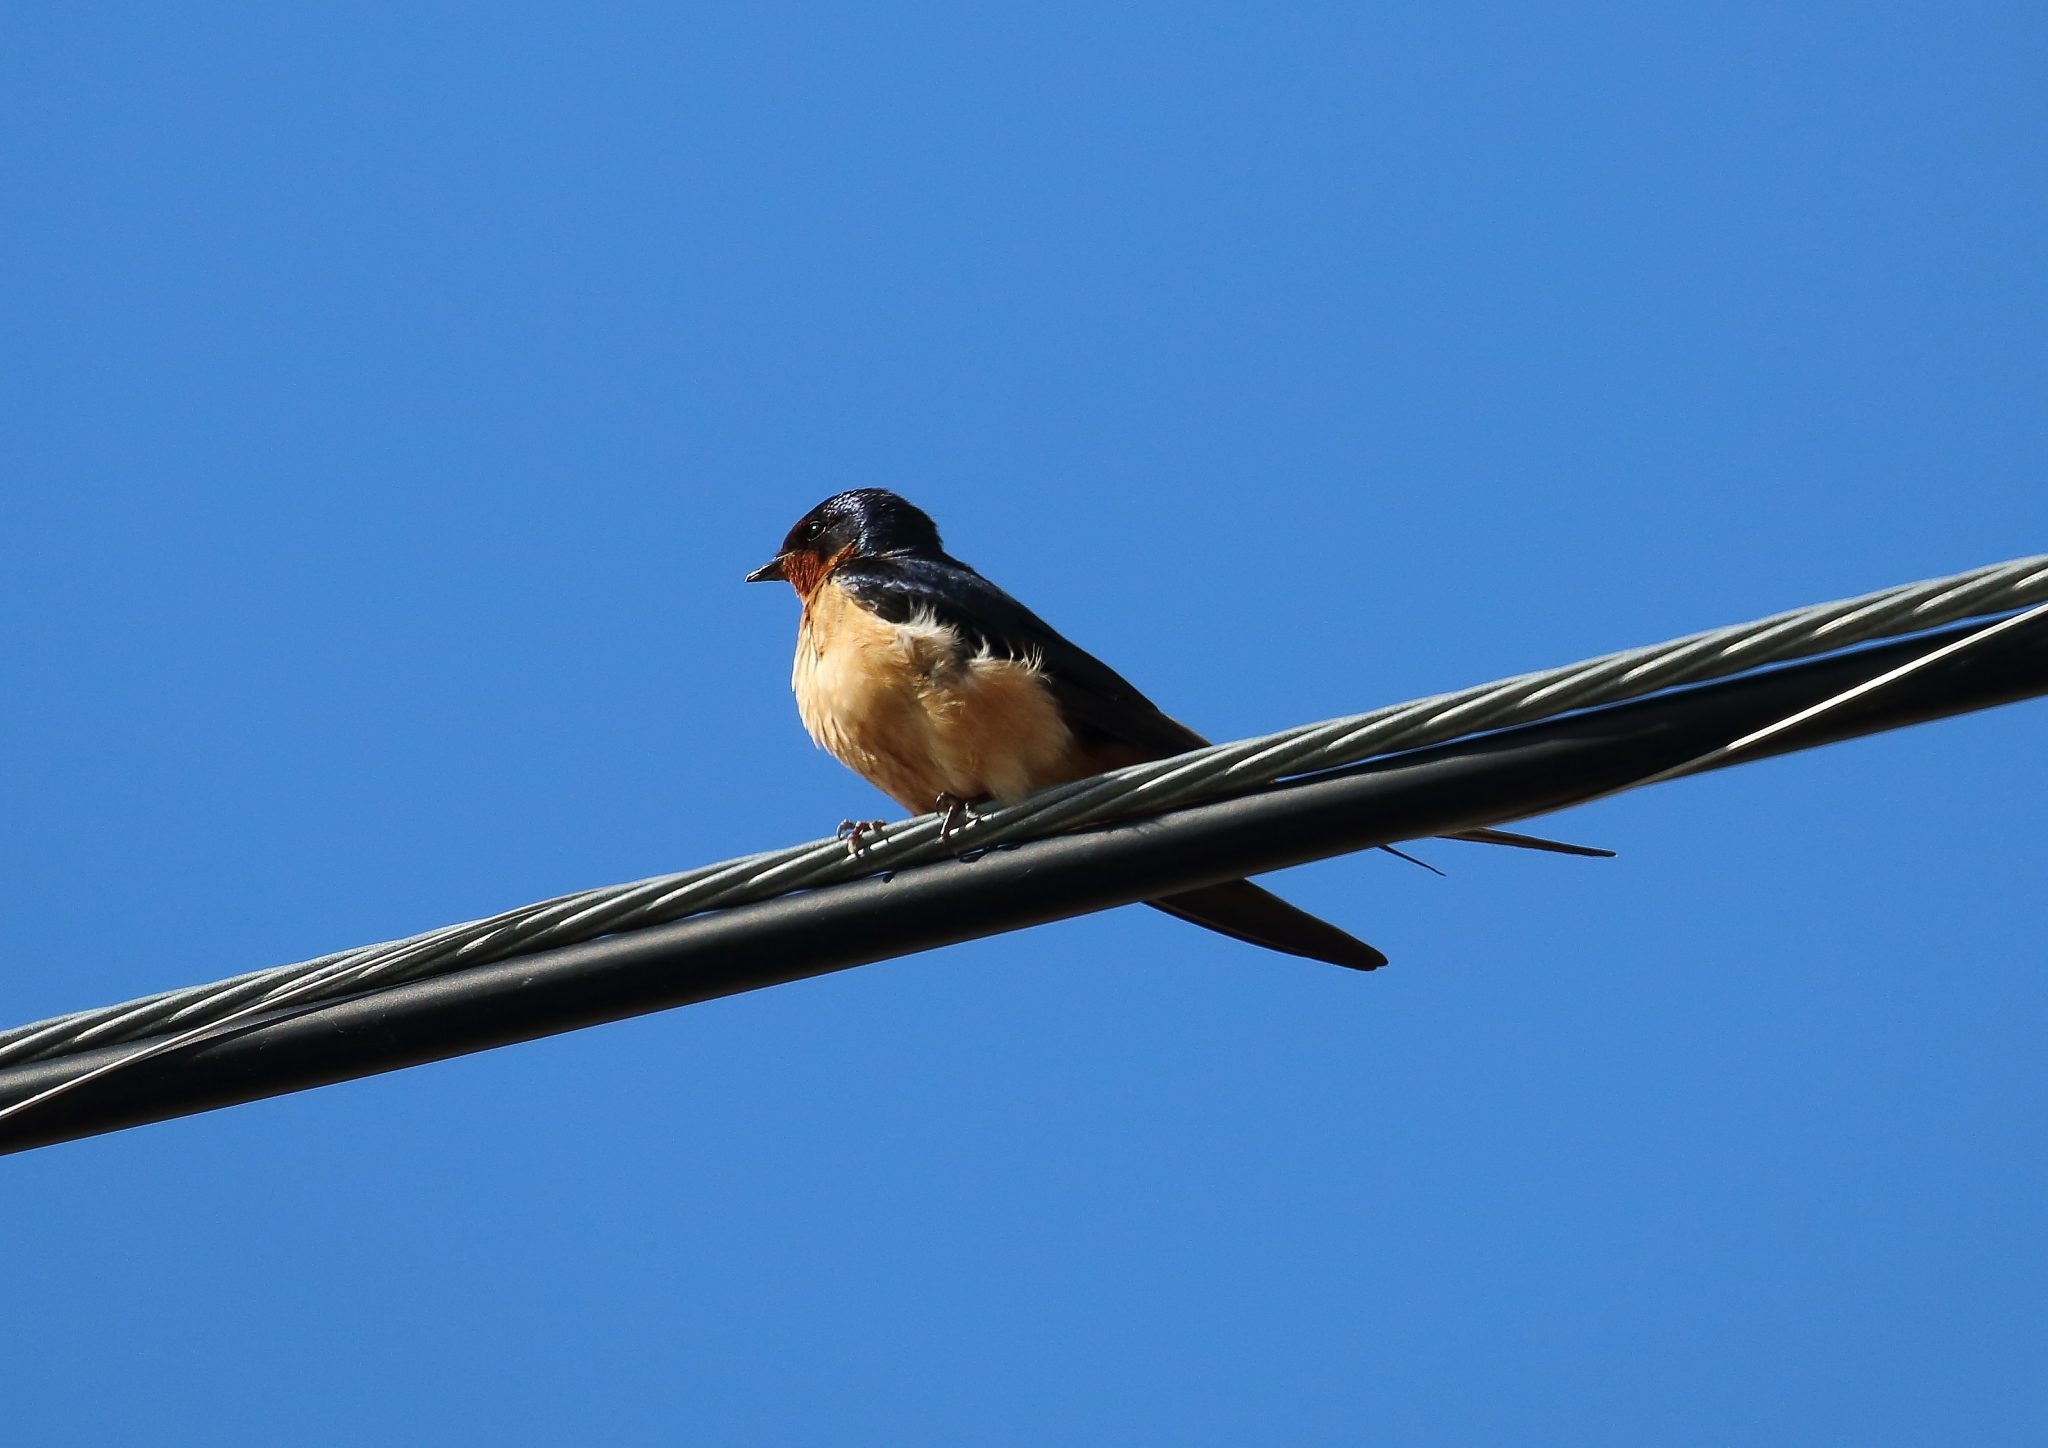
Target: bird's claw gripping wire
[(956, 814), (857, 832)]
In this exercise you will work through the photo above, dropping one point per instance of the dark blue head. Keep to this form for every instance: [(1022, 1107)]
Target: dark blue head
[(858, 524)]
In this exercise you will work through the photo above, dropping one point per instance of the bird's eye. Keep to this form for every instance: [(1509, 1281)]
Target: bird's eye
[(813, 528)]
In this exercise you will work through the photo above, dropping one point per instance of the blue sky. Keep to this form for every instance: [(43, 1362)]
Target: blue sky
[(393, 397)]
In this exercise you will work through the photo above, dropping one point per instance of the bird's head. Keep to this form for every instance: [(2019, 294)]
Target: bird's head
[(859, 524)]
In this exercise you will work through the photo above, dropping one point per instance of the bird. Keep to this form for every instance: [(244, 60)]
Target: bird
[(944, 692)]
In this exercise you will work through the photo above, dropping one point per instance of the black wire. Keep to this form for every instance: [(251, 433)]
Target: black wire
[(1470, 783)]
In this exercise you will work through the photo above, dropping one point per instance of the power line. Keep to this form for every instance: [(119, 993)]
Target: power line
[(1134, 792), (761, 942)]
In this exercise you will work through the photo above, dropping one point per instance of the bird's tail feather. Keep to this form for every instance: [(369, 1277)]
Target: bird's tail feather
[(1243, 911), (1530, 842)]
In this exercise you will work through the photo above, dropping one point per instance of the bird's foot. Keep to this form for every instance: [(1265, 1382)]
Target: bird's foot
[(856, 833), (956, 814)]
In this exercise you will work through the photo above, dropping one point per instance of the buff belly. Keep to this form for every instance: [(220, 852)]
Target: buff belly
[(914, 713)]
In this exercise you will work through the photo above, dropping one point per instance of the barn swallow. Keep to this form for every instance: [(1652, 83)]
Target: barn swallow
[(943, 691)]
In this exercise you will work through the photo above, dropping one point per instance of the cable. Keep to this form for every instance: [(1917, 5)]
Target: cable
[(1140, 790), (1527, 770)]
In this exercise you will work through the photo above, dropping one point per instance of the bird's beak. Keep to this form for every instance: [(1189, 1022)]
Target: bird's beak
[(769, 572)]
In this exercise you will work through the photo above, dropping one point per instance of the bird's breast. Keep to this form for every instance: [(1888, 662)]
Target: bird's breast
[(915, 711)]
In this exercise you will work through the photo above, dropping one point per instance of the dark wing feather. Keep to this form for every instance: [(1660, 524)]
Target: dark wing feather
[(1097, 700), (1243, 911)]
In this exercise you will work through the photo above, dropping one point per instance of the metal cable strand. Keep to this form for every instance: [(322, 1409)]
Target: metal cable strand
[(1144, 789)]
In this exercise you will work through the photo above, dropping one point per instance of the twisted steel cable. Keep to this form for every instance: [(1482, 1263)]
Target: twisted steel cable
[(1139, 790)]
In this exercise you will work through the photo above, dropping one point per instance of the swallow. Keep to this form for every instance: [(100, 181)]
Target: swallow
[(944, 692)]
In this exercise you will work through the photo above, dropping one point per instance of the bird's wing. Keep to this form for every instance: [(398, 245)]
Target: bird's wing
[(1100, 704), (1106, 711), (1243, 911)]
